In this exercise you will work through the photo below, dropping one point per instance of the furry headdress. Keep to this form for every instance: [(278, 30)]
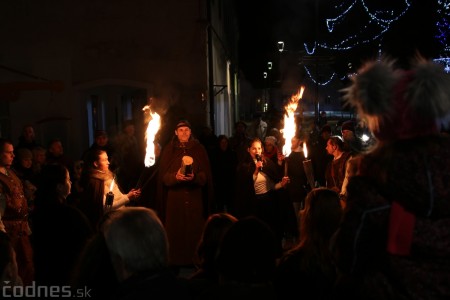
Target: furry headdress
[(401, 103)]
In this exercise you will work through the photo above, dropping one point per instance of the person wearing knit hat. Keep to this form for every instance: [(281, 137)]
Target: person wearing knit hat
[(348, 125), (352, 143), (397, 197), (183, 123), (271, 150), (185, 193), (271, 140)]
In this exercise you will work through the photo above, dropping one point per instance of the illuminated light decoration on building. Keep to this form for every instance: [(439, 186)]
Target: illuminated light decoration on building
[(317, 82), (379, 22), (443, 36)]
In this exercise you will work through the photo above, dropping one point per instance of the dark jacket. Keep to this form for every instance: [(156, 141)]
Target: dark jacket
[(153, 285), (404, 180), (91, 200)]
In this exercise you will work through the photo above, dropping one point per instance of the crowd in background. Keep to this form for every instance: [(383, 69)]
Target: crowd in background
[(243, 217)]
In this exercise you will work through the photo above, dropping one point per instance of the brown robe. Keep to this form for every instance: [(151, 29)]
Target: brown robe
[(184, 206), (15, 219)]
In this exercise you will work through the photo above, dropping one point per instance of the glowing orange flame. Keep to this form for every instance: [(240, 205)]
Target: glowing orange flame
[(289, 120), (152, 130), (305, 150)]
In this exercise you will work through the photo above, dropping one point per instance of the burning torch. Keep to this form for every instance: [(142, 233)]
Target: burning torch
[(307, 166), (290, 126), (150, 156)]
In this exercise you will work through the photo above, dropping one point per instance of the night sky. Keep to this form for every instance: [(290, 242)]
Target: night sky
[(264, 22)]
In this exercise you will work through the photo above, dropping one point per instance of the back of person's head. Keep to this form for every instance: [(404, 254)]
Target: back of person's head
[(94, 269), (321, 216), (215, 227), (136, 240), (52, 180), (248, 252)]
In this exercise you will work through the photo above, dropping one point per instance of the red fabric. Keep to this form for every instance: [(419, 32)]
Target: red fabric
[(401, 228)]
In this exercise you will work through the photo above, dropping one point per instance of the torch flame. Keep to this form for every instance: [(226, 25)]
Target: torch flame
[(152, 130), (289, 120), (111, 186), (305, 150)]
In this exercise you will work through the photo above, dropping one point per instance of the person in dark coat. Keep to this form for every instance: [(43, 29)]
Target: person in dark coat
[(138, 246), (259, 183), (59, 231), (185, 196), (393, 240), (223, 164), (308, 266), (246, 262), (240, 140)]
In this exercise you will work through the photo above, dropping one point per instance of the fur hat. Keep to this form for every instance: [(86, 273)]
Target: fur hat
[(400, 104)]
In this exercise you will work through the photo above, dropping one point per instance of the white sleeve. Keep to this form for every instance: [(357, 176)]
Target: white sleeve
[(119, 198)]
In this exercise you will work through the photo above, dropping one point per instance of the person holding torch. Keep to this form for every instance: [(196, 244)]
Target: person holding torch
[(185, 193), (260, 182), (100, 192)]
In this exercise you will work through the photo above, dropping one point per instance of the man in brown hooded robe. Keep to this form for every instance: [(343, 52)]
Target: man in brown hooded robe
[(185, 193)]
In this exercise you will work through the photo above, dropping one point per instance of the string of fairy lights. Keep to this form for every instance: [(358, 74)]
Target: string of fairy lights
[(443, 33), (377, 24)]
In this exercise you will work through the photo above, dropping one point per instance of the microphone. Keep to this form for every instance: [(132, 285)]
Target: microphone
[(259, 158)]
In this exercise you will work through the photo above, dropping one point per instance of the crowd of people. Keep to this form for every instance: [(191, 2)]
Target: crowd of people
[(240, 215)]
